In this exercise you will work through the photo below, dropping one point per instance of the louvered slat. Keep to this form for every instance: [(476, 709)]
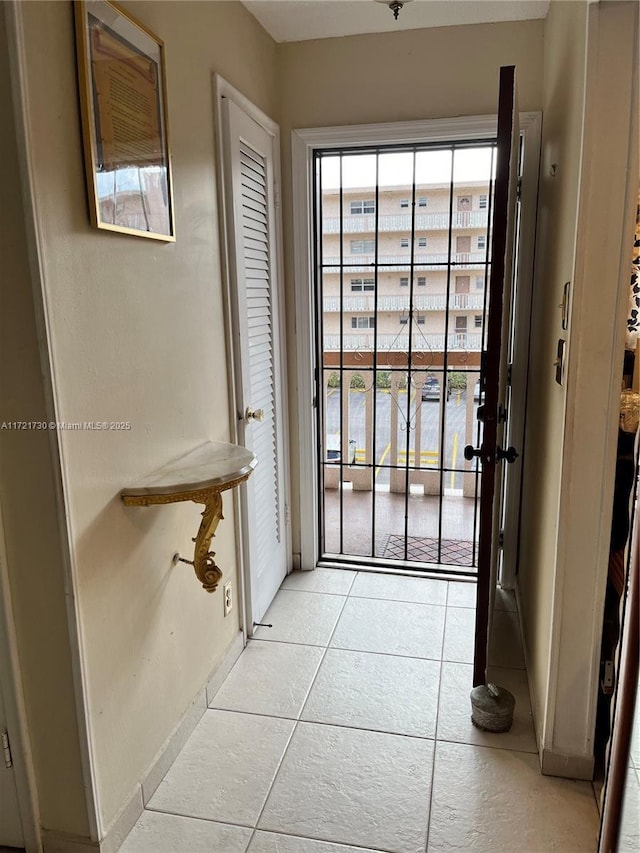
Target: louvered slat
[(255, 238)]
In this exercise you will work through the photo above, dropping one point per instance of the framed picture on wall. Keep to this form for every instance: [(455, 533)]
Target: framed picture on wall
[(123, 101)]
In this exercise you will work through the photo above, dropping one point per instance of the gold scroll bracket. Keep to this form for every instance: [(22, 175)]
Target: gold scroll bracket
[(203, 562)]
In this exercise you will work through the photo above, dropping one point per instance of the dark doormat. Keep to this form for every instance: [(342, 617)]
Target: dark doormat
[(423, 550)]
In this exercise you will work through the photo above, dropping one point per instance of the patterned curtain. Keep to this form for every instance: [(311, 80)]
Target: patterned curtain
[(633, 320)]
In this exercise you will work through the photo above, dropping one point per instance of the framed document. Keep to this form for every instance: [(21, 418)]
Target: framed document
[(124, 118)]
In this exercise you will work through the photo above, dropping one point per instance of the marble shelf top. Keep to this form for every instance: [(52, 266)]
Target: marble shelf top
[(210, 466)]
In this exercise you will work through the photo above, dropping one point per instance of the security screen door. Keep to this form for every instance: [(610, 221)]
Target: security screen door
[(403, 262)]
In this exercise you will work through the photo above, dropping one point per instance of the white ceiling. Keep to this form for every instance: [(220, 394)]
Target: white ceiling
[(299, 20)]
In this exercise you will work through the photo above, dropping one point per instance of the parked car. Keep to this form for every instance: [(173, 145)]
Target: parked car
[(431, 389)]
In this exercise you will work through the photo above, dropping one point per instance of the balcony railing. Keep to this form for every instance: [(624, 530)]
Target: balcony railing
[(401, 263), (364, 224), (400, 342), (421, 302)]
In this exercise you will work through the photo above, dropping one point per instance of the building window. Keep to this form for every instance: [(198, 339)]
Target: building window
[(404, 242), (420, 319), (404, 281), (422, 280), (483, 202), (404, 321), (363, 322), (477, 321), (461, 324), (365, 206), (358, 285), (479, 282), (404, 202), (363, 247), (422, 242), (464, 202), (422, 202), (482, 241)]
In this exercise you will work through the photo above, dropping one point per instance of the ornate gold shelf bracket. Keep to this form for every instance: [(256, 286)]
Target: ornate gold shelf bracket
[(175, 483)]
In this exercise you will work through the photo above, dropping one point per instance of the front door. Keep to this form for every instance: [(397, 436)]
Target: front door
[(492, 414), (258, 355)]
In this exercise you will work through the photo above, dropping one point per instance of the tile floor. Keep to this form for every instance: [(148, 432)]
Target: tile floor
[(345, 729)]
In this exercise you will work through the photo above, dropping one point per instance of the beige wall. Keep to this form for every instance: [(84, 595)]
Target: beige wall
[(409, 75), (137, 334), (564, 81), (570, 441), (28, 499)]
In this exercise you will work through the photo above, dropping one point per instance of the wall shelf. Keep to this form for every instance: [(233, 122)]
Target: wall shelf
[(199, 476)]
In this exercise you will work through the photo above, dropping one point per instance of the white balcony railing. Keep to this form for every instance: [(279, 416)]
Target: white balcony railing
[(365, 224), (421, 302), (400, 343), (401, 263)]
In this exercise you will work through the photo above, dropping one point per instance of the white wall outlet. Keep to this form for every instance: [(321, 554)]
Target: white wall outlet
[(227, 592)]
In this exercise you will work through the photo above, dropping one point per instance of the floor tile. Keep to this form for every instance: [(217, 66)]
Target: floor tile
[(461, 594), (270, 842), (497, 801), (270, 678), (167, 833), (337, 581), (392, 627), (381, 692), (459, 634), (505, 647), (301, 617), (225, 769), (398, 588), (454, 711), (353, 787)]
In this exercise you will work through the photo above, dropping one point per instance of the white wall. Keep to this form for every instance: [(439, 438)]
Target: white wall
[(570, 442), (136, 334)]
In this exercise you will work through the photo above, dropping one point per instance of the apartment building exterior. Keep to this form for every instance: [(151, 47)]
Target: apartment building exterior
[(428, 247)]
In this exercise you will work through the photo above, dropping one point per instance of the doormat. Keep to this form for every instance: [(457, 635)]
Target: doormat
[(453, 552)]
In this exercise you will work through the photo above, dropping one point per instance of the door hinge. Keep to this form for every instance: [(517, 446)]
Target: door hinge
[(276, 195), (501, 539), (519, 189), (6, 749), (509, 373), (286, 513)]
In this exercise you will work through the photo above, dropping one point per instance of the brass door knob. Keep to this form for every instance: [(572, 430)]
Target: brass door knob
[(254, 414)]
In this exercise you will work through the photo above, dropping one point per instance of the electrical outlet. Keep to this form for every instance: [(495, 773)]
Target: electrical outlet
[(227, 593)]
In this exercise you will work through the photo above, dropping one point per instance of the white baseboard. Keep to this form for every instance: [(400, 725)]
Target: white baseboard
[(567, 766), (121, 826)]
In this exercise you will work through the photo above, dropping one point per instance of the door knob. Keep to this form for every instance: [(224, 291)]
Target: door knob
[(510, 454), (470, 452), (254, 414)]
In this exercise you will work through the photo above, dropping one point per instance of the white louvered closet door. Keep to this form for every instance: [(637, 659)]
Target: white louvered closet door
[(258, 363)]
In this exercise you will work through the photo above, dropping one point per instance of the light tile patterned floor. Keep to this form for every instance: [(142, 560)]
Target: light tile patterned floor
[(346, 729)]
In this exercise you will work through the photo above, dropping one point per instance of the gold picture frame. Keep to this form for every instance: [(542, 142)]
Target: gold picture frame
[(121, 75)]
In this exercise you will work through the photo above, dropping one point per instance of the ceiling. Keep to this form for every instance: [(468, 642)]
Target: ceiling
[(299, 20)]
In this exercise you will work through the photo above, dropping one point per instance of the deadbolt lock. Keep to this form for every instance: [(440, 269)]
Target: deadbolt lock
[(510, 454)]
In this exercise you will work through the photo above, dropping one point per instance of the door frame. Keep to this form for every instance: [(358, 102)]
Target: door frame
[(13, 701), (223, 89), (304, 142)]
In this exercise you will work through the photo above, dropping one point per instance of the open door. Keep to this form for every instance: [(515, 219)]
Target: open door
[(492, 414)]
